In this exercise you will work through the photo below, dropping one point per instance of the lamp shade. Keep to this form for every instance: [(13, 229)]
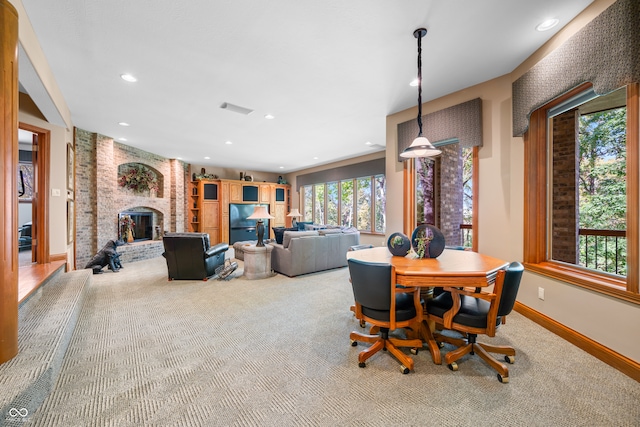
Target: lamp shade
[(260, 212), (294, 213), (420, 147)]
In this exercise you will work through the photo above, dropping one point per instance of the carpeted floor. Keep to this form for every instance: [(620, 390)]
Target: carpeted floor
[(276, 352)]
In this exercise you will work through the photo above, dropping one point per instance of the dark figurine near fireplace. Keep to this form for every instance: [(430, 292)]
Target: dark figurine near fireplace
[(106, 256)]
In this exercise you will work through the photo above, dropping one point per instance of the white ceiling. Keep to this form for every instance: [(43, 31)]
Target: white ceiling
[(330, 71)]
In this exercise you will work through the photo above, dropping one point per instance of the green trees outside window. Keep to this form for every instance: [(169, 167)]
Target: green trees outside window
[(358, 202)]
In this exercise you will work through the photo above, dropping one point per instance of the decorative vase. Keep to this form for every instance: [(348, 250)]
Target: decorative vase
[(431, 238), (399, 244), (129, 236)]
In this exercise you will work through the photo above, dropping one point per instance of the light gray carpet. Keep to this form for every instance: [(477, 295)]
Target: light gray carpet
[(275, 352), (45, 327)]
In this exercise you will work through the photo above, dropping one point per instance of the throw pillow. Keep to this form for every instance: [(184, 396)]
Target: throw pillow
[(302, 224), (278, 232)]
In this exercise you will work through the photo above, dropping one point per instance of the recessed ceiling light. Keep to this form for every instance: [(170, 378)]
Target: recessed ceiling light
[(128, 78), (269, 117), (207, 158), (315, 158), (414, 82), (367, 143), (547, 24), (178, 158), (123, 124), (281, 167), (122, 139), (228, 142)]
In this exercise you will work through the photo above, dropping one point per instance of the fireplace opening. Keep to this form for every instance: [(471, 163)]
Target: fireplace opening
[(143, 225)]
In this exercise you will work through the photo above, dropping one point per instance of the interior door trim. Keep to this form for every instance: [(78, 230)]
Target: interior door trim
[(41, 193)]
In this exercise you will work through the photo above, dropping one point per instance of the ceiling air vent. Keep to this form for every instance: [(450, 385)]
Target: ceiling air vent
[(236, 108)]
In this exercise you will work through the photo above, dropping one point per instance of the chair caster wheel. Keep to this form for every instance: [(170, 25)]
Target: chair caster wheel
[(363, 323), (510, 359), (414, 350), (503, 380), (404, 369), (453, 366), (362, 364), (354, 343), (441, 345)]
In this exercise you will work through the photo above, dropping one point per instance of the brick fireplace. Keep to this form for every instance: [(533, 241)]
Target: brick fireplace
[(99, 200)]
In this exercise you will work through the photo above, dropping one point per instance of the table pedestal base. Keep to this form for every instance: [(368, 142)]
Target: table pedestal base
[(257, 262)]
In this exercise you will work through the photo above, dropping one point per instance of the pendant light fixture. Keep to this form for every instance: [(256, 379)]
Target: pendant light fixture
[(420, 147)]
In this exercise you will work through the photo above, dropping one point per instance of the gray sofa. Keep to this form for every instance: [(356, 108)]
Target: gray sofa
[(303, 252)]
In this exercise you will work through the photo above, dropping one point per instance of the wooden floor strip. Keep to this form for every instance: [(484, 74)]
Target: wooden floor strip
[(31, 277)]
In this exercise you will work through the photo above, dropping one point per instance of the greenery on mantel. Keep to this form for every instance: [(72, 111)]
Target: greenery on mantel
[(138, 179)]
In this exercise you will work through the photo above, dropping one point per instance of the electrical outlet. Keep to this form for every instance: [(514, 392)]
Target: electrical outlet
[(55, 192), (541, 293)]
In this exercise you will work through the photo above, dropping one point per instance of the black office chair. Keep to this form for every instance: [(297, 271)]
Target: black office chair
[(473, 312), (189, 256), (387, 307), (351, 249)]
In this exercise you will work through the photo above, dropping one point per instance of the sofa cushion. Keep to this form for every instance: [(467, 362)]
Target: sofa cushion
[(308, 227), (288, 235), (326, 231), (349, 230)]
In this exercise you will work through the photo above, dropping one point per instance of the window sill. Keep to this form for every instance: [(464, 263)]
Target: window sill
[(608, 285)]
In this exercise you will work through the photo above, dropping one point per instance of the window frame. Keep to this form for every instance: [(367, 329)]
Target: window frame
[(372, 213), (536, 204), (409, 200)]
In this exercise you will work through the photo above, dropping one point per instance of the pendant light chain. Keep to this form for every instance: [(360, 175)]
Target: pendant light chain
[(419, 36)]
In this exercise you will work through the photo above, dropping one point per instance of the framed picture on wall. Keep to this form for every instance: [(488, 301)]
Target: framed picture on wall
[(70, 222), (70, 167)]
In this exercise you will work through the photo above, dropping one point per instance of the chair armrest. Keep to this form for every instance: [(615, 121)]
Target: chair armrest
[(216, 250), (457, 303)]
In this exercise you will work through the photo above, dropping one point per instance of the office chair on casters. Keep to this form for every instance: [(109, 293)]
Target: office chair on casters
[(386, 307), (357, 248), (477, 312)]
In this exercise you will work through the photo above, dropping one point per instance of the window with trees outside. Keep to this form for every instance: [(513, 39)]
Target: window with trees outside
[(581, 190), (445, 198), (358, 202)]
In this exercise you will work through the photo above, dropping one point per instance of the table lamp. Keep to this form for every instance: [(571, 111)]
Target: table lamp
[(260, 213), (294, 214)]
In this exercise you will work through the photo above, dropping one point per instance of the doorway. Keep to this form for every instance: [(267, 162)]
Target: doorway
[(33, 180), (27, 206)]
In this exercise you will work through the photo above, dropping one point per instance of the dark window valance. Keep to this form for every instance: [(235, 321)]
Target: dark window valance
[(605, 52), (461, 123), (357, 170)]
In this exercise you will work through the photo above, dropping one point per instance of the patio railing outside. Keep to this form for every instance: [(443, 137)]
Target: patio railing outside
[(603, 250), (467, 235)]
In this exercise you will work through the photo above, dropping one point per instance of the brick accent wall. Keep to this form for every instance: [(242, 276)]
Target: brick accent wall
[(99, 199), (564, 220), (450, 194)]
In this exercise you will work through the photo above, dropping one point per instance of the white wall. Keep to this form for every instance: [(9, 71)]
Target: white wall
[(59, 135), (24, 213), (57, 176)]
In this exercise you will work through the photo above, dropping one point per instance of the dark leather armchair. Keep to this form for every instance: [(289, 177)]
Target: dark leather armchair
[(472, 312), (189, 256), (387, 307)]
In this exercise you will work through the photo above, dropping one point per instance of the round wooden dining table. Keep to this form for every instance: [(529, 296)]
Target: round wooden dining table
[(454, 268)]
